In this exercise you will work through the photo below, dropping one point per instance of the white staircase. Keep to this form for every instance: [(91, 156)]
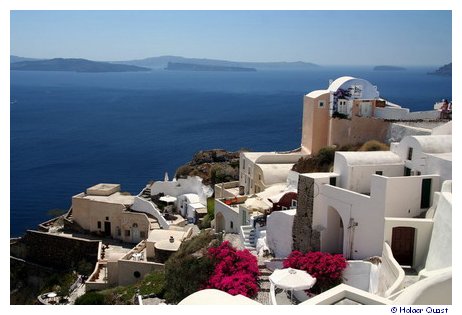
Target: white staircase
[(248, 236)]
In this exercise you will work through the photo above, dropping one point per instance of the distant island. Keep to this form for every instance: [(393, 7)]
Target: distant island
[(388, 68), (445, 71), (161, 62), (73, 64), (197, 67)]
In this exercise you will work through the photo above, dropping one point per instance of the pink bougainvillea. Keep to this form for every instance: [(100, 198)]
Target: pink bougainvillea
[(236, 271), (325, 267)]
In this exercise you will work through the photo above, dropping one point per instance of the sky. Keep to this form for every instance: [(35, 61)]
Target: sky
[(343, 37)]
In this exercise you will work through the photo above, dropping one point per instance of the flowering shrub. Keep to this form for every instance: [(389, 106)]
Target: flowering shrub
[(235, 272), (325, 267)]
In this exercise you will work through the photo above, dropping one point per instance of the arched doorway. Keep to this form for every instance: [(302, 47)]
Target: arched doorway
[(402, 244), (219, 222), (333, 235), (135, 233)]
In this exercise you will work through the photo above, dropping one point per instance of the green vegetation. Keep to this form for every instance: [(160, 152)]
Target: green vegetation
[(91, 298), (189, 269), (211, 207), (207, 219), (152, 284), (374, 145), (56, 212), (324, 160)]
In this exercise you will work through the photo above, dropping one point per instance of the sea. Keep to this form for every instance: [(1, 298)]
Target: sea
[(70, 131)]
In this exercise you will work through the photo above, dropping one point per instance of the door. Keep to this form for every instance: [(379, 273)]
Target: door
[(402, 244), (107, 228), (425, 193)]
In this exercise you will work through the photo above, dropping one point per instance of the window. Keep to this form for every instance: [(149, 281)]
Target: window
[(231, 224), (333, 181), (283, 208), (107, 218), (135, 225), (99, 224), (118, 231), (321, 104), (409, 154), (407, 171), (142, 234), (293, 203), (379, 172), (136, 274), (127, 233)]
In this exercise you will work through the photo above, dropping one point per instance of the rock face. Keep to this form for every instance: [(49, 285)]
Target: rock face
[(198, 67), (445, 71), (213, 166), (73, 64)]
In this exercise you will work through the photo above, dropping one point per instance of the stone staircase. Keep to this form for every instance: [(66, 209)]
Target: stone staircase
[(263, 295), (249, 237), (146, 194)]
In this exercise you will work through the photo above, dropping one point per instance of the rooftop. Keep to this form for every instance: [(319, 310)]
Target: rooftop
[(114, 198), (369, 158)]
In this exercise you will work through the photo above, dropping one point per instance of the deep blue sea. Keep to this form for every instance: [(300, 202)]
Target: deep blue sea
[(70, 131)]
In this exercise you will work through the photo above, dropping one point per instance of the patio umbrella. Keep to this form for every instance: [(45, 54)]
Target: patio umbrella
[(292, 279)]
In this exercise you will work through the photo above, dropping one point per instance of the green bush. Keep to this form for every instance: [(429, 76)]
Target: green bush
[(183, 171), (153, 283), (189, 269), (211, 207), (91, 298), (374, 145), (206, 222)]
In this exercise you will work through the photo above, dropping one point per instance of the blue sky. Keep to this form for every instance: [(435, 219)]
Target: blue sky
[(322, 37)]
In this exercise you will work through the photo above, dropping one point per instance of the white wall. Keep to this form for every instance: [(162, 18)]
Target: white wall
[(357, 274), (192, 184), (391, 275), (359, 179), (366, 238), (279, 232), (435, 290), (440, 249), (145, 206), (397, 131), (230, 215), (403, 194), (437, 165)]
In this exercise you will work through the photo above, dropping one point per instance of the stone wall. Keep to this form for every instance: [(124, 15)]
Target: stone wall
[(54, 251), (305, 239)]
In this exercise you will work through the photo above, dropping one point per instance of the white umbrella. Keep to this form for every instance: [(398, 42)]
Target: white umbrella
[(292, 279)]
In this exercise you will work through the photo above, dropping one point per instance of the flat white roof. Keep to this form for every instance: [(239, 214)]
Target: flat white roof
[(114, 198), (163, 235), (197, 205)]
